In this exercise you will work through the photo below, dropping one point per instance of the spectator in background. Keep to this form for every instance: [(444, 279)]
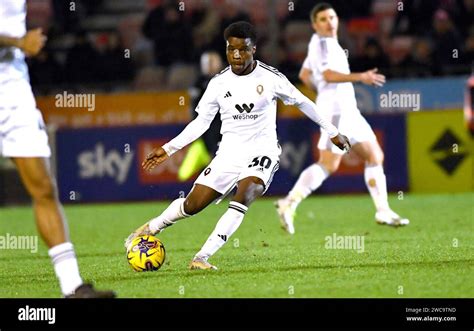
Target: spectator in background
[(114, 65), (69, 14), (447, 43), (205, 24), (45, 70), (170, 33), (372, 56), (423, 58), (64, 18), (415, 17), (420, 62), (464, 17), (300, 12), (353, 8), (230, 12), (279, 56), (346, 9), (82, 61), (468, 55)]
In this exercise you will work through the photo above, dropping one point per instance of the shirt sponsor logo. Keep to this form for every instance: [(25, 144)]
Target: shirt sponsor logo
[(245, 108), (245, 117)]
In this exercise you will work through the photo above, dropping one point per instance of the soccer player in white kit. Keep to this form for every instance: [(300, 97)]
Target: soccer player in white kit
[(245, 95), (326, 70), (23, 139)]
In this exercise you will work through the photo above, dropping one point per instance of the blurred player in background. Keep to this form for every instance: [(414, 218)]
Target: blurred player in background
[(200, 151), (326, 70), (469, 104), (245, 95), (23, 138)]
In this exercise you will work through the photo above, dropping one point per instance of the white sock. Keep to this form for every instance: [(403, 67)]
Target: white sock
[(66, 268), (309, 180), (171, 215), (377, 186), (227, 225)]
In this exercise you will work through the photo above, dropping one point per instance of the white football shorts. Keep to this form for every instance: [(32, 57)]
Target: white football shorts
[(22, 129), (354, 126), (223, 174)]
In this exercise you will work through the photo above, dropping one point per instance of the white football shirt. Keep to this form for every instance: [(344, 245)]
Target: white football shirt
[(15, 89), (247, 105), (323, 54), (12, 24)]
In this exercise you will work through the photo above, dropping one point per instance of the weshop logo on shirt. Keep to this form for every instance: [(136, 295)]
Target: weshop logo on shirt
[(245, 108)]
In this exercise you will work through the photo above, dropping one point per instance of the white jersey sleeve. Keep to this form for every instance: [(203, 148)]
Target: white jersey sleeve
[(13, 67), (290, 95), (207, 109)]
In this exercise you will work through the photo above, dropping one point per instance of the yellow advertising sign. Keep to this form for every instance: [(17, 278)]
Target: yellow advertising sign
[(440, 152)]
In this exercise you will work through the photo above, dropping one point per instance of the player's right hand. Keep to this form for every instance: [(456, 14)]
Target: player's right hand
[(371, 77), (157, 156), (342, 142), (32, 42)]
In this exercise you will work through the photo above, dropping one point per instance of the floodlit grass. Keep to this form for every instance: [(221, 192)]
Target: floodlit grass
[(432, 257)]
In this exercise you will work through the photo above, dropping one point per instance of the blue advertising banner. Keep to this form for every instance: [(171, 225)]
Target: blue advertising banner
[(299, 137), (100, 165), (104, 164), (412, 95)]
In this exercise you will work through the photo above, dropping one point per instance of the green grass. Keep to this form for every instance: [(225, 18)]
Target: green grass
[(260, 260)]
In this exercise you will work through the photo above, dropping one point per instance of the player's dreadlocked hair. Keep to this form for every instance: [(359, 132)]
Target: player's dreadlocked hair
[(242, 30), (319, 8)]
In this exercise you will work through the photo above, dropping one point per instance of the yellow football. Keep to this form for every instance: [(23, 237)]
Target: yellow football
[(146, 253)]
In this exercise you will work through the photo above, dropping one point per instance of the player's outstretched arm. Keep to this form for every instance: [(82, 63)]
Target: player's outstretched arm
[(191, 132)]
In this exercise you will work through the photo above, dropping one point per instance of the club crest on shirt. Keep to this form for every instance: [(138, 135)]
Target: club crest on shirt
[(259, 89)]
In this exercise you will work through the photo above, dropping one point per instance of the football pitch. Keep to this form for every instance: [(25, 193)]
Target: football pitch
[(432, 257)]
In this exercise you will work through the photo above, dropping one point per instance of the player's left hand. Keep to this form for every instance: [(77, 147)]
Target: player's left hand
[(32, 42), (342, 142), (157, 156)]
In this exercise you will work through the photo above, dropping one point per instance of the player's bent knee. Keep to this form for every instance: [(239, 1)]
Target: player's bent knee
[(247, 194), (191, 207)]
